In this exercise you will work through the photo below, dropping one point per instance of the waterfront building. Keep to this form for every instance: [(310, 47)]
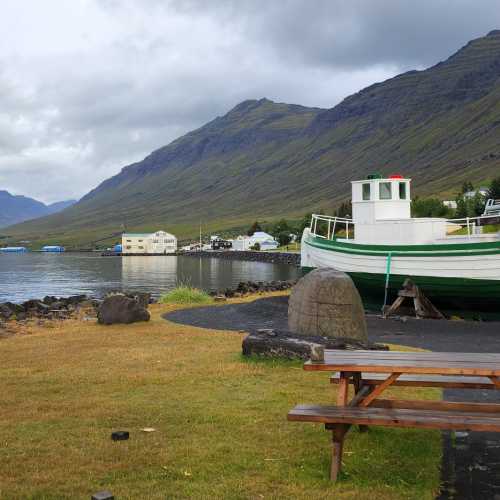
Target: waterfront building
[(160, 242), (13, 249), (265, 241), (53, 249)]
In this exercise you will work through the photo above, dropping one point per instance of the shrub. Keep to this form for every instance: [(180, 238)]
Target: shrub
[(185, 294), (284, 238), (256, 246)]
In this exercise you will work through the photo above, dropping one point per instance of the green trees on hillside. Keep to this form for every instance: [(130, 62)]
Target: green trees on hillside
[(494, 191), (254, 228), (470, 206), (429, 207)]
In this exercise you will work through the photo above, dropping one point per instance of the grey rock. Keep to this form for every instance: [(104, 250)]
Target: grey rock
[(270, 343), (5, 311), (325, 302), (143, 298), (121, 309)]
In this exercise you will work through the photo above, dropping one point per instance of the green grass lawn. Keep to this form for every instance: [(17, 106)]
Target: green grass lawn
[(219, 419)]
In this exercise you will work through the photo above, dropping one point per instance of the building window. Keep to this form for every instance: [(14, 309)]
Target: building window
[(128, 247), (141, 248), (385, 192), (129, 241), (402, 190), (367, 192), (140, 241)]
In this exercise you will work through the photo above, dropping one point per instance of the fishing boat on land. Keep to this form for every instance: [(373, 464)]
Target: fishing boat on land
[(455, 262)]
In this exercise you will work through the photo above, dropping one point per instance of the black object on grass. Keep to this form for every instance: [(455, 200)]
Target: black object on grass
[(120, 435)]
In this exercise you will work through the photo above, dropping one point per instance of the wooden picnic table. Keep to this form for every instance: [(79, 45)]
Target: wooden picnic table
[(373, 372)]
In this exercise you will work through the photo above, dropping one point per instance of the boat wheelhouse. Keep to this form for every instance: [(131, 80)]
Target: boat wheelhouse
[(455, 262)]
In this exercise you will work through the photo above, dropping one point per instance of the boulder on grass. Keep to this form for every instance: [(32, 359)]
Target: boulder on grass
[(325, 302), (271, 343), (121, 309)]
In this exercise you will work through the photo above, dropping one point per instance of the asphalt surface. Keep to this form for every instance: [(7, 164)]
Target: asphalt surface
[(471, 461)]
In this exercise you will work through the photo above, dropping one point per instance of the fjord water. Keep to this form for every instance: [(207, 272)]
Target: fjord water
[(34, 275)]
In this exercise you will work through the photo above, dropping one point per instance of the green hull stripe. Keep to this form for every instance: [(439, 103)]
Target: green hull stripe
[(462, 250), (459, 293)]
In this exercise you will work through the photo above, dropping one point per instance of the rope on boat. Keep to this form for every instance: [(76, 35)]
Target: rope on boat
[(387, 275)]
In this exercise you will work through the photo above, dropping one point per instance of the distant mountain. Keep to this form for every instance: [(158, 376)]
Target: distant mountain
[(14, 209), (58, 206), (265, 160)]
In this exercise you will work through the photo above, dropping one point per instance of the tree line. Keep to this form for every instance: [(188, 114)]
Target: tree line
[(470, 202)]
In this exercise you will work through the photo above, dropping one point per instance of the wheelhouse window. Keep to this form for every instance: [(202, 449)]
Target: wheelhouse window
[(402, 190), (367, 192), (385, 192)]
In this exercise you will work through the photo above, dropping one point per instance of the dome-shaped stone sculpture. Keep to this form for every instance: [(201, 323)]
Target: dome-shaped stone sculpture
[(325, 302)]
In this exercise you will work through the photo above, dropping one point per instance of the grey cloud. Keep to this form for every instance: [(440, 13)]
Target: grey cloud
[(90, 91)]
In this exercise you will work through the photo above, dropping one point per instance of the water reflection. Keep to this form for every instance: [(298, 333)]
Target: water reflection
[(34, 275)]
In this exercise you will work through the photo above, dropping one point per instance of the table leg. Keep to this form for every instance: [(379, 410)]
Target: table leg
[(338, 434), (339, 431), (358, 383)]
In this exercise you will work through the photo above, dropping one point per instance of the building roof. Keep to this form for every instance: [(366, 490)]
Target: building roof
[(261, 234), (146, 235)]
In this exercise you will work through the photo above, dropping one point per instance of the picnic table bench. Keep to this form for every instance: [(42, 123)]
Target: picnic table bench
[(373, 372)]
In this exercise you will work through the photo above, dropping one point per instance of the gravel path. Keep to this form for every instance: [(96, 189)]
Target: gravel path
[(471, 461)]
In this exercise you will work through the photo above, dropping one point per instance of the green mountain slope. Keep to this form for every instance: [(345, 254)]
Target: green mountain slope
[(266, 160)]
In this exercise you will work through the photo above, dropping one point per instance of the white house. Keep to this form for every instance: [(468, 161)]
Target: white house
[(266, 242), (483, 191), (149, 243)]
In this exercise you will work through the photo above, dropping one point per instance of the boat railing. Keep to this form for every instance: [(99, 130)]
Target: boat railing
[(326, 226), (472, 226)]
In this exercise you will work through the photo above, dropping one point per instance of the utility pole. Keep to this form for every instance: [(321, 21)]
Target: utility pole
[(200, 235)]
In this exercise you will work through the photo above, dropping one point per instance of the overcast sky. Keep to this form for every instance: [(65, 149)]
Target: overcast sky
[(88, 86)]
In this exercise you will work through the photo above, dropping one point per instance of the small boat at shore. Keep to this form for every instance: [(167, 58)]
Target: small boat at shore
[(456, 262)]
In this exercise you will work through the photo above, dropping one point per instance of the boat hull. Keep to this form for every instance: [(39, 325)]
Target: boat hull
[(452, 276)]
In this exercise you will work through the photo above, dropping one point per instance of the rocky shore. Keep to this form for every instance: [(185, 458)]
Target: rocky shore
[(253, 256), (251, 287), (61, 308), (49, 307)]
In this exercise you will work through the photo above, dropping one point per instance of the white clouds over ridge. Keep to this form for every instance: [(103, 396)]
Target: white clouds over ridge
[(87, 86)]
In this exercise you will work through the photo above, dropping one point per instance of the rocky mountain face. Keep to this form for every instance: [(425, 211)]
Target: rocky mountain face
[(14, 209), (267, 160)]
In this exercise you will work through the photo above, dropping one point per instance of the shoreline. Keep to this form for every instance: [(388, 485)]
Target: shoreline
[(249, 255)]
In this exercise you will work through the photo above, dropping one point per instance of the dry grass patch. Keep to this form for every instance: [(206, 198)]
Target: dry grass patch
[(220, 420)]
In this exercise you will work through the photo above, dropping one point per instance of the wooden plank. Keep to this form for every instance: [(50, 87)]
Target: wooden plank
[(437, 405), (465, 356), (442, 381), (396, 417), (430, 367), (351, 360), (379, 389)]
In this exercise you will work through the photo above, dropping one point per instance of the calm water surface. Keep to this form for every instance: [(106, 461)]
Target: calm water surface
[(34, 275)]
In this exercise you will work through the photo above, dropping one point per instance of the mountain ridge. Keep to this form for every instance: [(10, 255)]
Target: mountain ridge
[(18, 208), (268, 160)]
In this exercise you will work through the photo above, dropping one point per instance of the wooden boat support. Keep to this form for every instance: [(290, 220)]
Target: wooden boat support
[(423, 306)]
